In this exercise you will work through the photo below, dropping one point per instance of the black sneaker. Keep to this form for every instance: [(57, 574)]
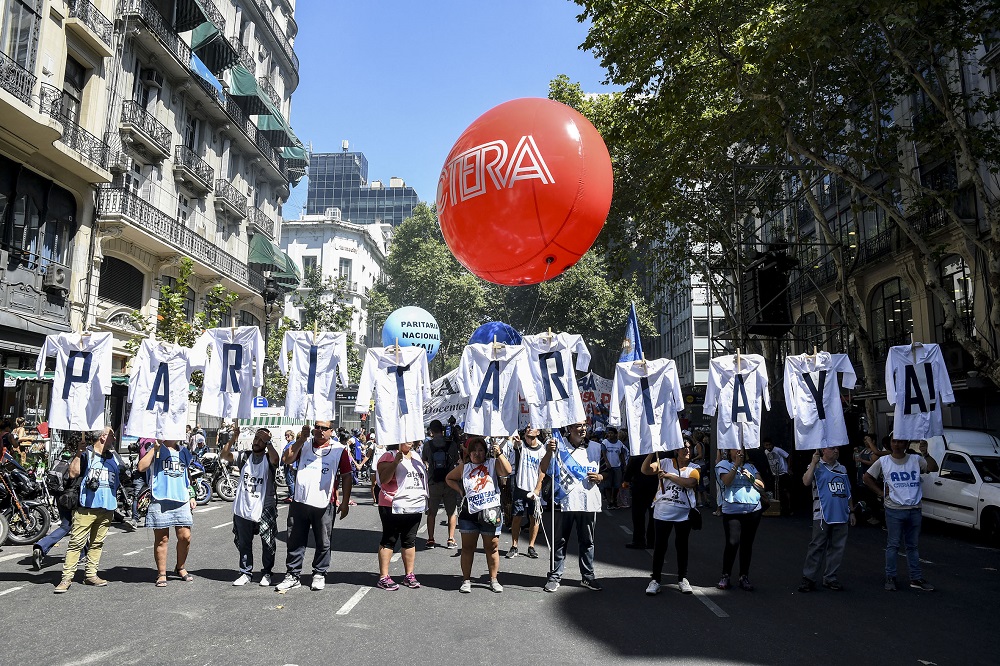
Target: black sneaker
[(36, 558), (532, 553), (807, 586), (591, 584), (890, 584), (511, 552), (921, 584), (833, 585)]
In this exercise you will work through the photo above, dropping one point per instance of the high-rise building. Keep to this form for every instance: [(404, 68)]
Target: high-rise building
[(134, 133), (340, 180)]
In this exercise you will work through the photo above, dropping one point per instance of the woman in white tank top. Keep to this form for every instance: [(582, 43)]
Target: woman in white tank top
[(675, 497)]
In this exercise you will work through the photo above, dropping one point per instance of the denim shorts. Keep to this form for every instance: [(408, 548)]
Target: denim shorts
[(466, 526)]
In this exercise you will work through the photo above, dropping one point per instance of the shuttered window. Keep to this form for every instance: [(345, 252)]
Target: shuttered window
[(121, 282)]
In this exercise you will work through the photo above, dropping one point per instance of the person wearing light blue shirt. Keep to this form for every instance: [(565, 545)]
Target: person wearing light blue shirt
[(741, 512), (832, 513), (99, 466)]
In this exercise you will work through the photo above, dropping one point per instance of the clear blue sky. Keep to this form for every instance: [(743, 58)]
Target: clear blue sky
[(401, 80)]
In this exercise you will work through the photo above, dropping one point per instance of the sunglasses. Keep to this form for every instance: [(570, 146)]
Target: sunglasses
[(323, 428)]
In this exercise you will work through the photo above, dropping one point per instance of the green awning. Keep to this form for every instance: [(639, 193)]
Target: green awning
[(296, 152), (49, 376), (190, 15), (211, 46), (246, 92), (265, 255), (277, 131), (289, 277)]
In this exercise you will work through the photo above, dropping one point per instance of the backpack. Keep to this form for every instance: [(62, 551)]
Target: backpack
[(439, 463)]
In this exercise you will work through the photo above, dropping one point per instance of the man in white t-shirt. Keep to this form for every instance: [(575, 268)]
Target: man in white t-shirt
[(579, 464), (777, 460), (900, 489)]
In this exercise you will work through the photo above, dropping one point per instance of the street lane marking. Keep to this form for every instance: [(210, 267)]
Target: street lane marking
[(395, 558), (207, 509), (134, 552), (423, 528), (626, 530), (230, 523), (711, 605), (13, 589), (353, 601), (13, 556)]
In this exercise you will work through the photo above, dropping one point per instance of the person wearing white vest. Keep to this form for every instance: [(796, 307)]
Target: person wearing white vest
[(833, 511), (402, 501), (255, 508), (901, 493), (320, 462)]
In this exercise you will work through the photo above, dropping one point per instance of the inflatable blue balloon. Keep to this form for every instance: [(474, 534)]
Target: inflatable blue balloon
[(505, 333), (413, 327)]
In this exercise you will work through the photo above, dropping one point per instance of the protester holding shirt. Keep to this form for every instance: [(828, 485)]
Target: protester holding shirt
[(671, 509), (481, 514), (402, 501), (255, 507), (741, 512), (173, 500)]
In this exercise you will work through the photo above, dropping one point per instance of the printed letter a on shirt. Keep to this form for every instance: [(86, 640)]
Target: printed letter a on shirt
[(161, 389), (491, 378), (741, 405), (914, 389)]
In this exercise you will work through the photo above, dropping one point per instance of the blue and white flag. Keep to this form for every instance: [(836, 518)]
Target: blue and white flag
[(564, 469), (632, 344)]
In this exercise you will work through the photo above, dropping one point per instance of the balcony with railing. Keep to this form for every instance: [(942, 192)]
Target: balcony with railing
[(246, 58), (119, 203), (146, 136), (268, 88), (260, 223), (159, 37), (263, 8), (230, 200), (192, 171), (95, 152), (91, 26), (16, 80)]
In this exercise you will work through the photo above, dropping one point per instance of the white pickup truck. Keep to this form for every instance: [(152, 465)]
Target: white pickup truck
[(966, 488)]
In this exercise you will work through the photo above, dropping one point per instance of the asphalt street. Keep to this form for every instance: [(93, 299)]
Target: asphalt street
[(210, 622)]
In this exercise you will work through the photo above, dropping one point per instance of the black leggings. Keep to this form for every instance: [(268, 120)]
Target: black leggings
[(662, 530), (741, 528), (400, 527)]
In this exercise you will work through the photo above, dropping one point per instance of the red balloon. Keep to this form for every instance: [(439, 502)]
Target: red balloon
[(524, 191)]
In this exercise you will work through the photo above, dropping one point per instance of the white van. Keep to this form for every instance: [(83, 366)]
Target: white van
[(966, 488)]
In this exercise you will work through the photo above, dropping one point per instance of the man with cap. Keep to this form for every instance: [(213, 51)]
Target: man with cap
[(255, 508), (320, 460)]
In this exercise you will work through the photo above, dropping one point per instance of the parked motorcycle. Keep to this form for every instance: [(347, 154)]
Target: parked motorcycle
[(27, 517), (202, 487), (222, 475), (127, 497)]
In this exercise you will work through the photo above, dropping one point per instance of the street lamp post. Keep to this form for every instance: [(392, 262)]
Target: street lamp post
[(270, 294)]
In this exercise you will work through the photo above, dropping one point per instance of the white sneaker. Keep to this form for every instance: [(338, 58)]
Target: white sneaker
[(653, 588), (290, 583), (685, 587), (465, 587), (496, 586), (265, 580), (241, 581), (318, 583)]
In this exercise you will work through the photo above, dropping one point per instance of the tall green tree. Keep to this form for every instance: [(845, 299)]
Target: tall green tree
[(817, 86)]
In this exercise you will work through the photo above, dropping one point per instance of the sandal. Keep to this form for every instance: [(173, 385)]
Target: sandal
[(186, 577), (431, 543), (452, 544), (161, 580)]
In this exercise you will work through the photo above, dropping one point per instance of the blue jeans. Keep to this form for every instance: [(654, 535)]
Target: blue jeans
[(52, 538), (903, 526), (585, 522), (138, 483)]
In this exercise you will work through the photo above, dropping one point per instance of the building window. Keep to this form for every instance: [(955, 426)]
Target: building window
[(121, 282), (21, 21), (891, 316), (345, 270), (247, 319), (701, 328), (188, 305), (701, 360), (808, 333), (73, 83), (309, 265), (183, 209), (37, 217), (958, 283)]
